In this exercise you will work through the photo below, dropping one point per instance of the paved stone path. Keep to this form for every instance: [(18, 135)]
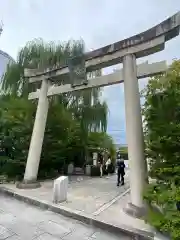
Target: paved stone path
[(97, 199), (85, 194), (20, 221)]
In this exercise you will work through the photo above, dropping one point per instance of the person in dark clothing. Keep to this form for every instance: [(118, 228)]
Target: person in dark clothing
[(120, 171)]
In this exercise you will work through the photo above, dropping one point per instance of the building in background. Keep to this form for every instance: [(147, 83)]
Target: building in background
[(5, 58)]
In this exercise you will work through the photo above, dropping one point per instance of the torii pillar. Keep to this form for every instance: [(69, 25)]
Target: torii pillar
[(34, 154), (134, 131)]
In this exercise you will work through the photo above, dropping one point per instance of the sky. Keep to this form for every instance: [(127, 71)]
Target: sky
[(98, 23)]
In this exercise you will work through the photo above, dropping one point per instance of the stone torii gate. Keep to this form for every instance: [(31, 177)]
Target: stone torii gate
[(126, 52)]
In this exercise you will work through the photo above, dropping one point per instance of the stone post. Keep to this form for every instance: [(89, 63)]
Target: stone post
[(36, 143), (134, 134)]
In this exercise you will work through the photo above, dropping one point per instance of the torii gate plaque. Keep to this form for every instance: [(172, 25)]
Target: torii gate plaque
[(125, 51)]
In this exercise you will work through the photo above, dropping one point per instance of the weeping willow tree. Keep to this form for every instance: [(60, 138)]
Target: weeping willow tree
[(86, 105)]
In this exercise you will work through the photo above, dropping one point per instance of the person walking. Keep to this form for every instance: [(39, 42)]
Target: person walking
[(120, 171)]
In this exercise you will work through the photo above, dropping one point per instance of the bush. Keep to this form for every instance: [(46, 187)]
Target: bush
[(61, 141), (162, 137)]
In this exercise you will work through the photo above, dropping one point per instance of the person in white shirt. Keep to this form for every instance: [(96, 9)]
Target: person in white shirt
[(101, 160), (108, 163)]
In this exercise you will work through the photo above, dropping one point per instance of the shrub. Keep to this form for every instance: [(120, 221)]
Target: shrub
[(162, 137)]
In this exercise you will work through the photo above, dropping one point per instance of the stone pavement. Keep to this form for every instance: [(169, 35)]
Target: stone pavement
[(85, 194), (20, 221), (96, 201)]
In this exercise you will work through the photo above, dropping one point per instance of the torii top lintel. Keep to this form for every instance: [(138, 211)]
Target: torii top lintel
[(169, 28), (103, 57)]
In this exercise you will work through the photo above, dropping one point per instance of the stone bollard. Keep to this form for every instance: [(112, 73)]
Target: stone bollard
[(88, 170), (60, 189)]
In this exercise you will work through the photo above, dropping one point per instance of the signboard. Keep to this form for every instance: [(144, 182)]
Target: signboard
[(77, 71)]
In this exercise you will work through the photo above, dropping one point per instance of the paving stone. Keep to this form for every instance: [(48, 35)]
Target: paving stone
[(54, 228), (61, 220), (102, 235), (25, 230), (6, 219), (25, 224), (5, 233), (75, 237), (80, 232), (13, 206), (33, 215), (46, 236), (14, 237), (87, 195)]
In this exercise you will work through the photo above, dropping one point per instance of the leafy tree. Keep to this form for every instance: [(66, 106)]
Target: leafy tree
[(124, 152), (16, 122), (15, 131), (61, 132), (63, 140), (102, 141), (85, 105), (162, 136), (71, 116)]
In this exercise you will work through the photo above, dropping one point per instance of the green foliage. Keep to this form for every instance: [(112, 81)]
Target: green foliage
[(85, 105), (124, 152), (15, 131), (71, 116), (102, 141), (16, 122), (162, 137), (63, 141)]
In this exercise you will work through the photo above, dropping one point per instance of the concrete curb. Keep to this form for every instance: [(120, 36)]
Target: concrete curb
[(77, 215)]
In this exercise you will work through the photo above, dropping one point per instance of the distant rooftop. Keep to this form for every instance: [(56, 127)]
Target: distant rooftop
[(120, 145)]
